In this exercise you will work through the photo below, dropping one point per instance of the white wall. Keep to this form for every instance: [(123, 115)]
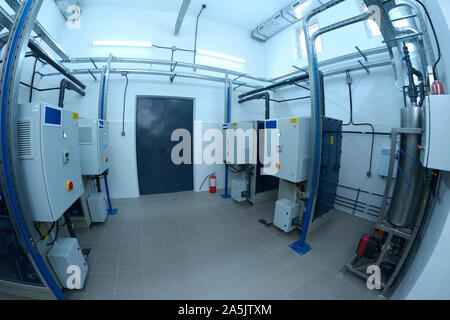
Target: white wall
[(145, 25)]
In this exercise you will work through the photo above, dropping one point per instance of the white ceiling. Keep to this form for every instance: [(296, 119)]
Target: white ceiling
[(244, 14)]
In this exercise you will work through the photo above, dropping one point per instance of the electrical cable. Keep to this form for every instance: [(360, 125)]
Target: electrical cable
[(56, 236), (349, 83), (435, 37), (196, 34), (124, 103), (32, 80)]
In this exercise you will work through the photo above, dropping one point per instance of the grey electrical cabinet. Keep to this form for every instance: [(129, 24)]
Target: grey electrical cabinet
[(46, 145), (94, 149), (291, 154)]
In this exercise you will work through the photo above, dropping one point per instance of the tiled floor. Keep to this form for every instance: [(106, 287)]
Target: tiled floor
[(199, 246)]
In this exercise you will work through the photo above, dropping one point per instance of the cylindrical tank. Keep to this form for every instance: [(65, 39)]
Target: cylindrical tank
[(406, 203)]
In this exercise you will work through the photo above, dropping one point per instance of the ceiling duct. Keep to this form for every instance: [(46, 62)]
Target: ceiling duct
[(284, 18), (63, 5)]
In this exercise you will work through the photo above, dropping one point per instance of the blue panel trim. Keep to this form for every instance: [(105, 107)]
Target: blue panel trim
[(271, 124), (37, 258), (53, 116)]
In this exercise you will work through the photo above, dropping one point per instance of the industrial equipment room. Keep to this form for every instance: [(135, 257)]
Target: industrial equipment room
[(212, 150)]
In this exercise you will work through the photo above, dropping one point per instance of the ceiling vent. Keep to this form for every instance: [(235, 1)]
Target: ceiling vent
[(284, 18)]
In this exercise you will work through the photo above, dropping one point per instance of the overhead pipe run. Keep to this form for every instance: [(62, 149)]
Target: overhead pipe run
[(40, 53), (67, 85), (265, 96)]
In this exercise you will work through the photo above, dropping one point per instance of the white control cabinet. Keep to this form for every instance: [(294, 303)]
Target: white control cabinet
[(94, 148), (238, 142), (239, 190), (293, 148), (97, 207), (46, 142), (65, 253), (435, 153), (286, 212)]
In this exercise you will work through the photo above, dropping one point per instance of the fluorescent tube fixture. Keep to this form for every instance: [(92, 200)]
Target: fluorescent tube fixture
[(220, 56), (122, 44), (300, 9)]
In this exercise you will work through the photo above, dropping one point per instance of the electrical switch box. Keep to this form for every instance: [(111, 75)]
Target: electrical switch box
[(286, 212), (384, 162), (239, 190), (240, 142), (46, 147), (94, 149), (97, 207), (435, 149), (65, 255), (292, 150)]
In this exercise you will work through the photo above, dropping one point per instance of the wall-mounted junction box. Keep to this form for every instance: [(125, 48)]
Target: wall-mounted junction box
[(435, 147), (293, 148), (94, 150), (46, 144)]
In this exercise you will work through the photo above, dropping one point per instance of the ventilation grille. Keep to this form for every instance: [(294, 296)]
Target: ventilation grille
[(24, 139)]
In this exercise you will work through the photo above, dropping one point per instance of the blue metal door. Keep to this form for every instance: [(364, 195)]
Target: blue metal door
[(156, 120)]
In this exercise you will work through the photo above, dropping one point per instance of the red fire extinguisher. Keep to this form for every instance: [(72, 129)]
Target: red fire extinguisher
[(212, 183)]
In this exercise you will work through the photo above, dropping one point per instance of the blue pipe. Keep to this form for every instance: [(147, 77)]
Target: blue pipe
[(37, 258), (226, 195), (111, 211), (301, 246)]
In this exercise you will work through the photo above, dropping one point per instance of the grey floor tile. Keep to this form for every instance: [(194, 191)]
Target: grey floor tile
[(105, 264), (174, 242), (192, 290), (165, 293), (178, 255), (130, 281), (102, 283), (109, 248), (308, 292), (130, 262)]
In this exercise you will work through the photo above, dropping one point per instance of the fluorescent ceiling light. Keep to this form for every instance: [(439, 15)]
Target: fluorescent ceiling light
[(122, 44), (220, 55), (299, 10)]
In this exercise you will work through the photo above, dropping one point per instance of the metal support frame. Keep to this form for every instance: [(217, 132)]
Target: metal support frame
[(409, 235), (20, 33), (41, 32)]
